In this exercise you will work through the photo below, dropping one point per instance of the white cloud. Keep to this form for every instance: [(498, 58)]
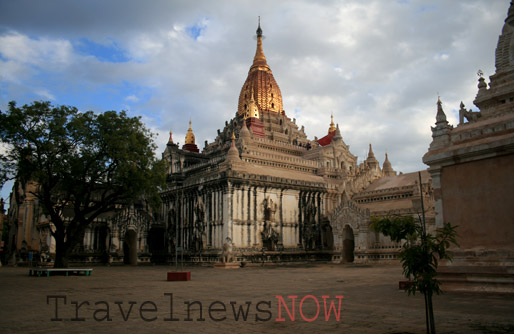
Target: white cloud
[(144, 47), (22, 49), (45, 94), (14, 72), (132, 98)]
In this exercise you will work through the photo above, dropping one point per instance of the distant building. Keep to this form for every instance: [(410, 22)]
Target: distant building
[(472, 168), (125, 235)]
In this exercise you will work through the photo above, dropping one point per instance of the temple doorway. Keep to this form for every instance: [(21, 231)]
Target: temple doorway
[(130, 248), (348, 244)]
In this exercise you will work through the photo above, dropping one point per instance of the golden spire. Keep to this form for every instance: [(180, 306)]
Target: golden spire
[(190, 137), (262, 84), (259, 59), (332, 127), (171, 137)]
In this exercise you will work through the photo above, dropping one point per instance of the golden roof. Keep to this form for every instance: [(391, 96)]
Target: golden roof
[(260, 85), (190, 137)]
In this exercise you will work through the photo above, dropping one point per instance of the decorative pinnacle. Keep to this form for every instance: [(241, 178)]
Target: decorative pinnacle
[(259, 30), (440, 116), (259, 59), (190, 137), (332, 127), (370, 153)]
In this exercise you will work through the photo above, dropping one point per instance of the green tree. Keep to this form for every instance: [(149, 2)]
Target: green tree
[(419, 255), (83, 163)]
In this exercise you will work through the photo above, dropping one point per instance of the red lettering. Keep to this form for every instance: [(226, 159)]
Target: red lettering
[(301, 308), (332, 306), (282, 301)]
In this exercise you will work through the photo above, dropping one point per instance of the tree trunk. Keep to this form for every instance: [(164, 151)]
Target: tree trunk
[(61, 253), (431, 313), (427, 321), (63, 249)]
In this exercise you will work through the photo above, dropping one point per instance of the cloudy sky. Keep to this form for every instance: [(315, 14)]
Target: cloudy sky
[(377, 66)]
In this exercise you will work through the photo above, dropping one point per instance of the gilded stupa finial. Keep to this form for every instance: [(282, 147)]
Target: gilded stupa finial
[(190, 137), (332, 127)]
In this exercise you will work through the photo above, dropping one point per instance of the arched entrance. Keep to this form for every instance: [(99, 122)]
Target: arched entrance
[(348, 244), (130, 248)]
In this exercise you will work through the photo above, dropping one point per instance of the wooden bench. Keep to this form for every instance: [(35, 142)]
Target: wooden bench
[(66, 271)]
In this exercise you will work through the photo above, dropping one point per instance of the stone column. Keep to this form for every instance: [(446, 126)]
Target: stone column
[(300, 224), (230, 210), (255, 223), (182, 213), (248, 216), (225, 213), (217, 214), (87, 238), (208, 217), (145, 240), (281, 219)]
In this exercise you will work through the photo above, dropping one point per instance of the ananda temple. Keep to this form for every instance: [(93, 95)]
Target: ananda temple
[(262, 191), (266, 191)]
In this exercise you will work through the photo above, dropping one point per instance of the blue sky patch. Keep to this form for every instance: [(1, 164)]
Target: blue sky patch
[(198, 29), (110, 53)]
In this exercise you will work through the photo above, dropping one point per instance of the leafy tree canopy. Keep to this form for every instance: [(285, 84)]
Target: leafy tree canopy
[(421, 251), (82, 161), (419, 255)]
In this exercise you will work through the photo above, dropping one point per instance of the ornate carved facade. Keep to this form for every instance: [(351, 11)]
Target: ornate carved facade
[(270, 192)]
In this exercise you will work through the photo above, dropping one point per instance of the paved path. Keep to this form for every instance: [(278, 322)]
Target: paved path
[(372, 302)]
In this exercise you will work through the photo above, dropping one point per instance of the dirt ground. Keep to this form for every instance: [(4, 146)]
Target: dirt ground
[(289, 299)]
